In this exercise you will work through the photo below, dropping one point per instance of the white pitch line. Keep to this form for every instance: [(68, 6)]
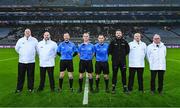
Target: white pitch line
[(8, 59), (86, 90), (174, 60)]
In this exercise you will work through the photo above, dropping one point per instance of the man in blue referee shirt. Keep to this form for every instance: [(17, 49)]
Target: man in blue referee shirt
[(101, 52), (66, 50), (86, 53)]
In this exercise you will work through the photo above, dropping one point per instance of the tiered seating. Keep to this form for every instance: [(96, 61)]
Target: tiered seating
[(116, 2)]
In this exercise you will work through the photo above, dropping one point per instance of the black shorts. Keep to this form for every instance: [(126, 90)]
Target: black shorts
[(66, 64), (85, 66), (102, 66)]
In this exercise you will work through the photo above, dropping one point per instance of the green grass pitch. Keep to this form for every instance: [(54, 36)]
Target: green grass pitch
[(8, 80)]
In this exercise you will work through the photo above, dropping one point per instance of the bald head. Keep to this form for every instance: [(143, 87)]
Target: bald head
[(137, 37), (27, 32), (156, 39), (46, 36)]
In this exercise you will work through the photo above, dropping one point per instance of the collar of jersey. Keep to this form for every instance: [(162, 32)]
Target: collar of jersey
[(160, 44), (85, 43), (66, 42), (101, 44), (137, 42), (28, 38), (46, 41)]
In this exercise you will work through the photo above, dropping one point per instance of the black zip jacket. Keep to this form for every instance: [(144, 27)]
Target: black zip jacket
[(119, 48)]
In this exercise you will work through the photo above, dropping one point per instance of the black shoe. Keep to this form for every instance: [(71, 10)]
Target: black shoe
[(52, 90), (30, 91), (97, 90), (142, 91), (113, 91), (79, 91), (91, 90), (125, 90), (129, 92), (39, 89), (107, 90), (71, 89), (160, 92), (18, 91), (59, 90), (152, 92)]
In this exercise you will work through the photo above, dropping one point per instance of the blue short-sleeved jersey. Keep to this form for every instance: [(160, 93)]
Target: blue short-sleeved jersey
[(101, 51), (86, 51), (66, 49)]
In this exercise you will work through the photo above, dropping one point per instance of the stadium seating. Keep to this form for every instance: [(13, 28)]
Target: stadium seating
[(4, 32), (168, 37), (39, 2), (85, 2), (144, 2)]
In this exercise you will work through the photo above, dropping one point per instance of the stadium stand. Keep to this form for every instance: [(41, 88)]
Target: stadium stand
[(39, 2), (4, 32), (144, 2), (76, 32), (87, 2), (78, 16)]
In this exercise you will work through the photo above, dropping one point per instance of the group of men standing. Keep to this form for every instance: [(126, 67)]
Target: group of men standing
[(118, 48)]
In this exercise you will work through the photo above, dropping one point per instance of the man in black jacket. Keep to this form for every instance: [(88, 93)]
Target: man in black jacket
[(119, 49)]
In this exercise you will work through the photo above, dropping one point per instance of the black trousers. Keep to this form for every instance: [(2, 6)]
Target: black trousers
[(115, 67), (132, 72), (50, 71), (22, 69), (160, 79)]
